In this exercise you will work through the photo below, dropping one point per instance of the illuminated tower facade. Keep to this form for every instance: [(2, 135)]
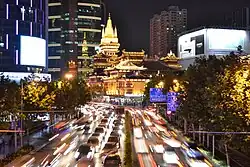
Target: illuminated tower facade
[(28, 19), (74, 36)]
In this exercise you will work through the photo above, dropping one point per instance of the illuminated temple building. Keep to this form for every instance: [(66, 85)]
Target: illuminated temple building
[(125, 75), (125, 79)]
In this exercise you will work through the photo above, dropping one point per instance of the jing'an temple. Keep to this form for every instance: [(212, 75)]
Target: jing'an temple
[(122, 75)]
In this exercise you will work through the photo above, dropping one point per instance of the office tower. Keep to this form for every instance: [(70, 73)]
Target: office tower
[(23, 36), (164, 29), (74, 36), (239, 19)]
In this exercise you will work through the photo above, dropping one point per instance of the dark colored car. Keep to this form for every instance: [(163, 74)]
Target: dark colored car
[(99, 130), (84, 151), (114, 133), (112, 161)]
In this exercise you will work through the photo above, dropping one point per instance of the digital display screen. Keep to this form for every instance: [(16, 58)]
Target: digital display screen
[(223, 39), (156, 95), (33, 51), (172, 101)]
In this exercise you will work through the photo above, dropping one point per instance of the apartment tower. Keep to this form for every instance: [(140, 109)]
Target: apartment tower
[(164, 30)]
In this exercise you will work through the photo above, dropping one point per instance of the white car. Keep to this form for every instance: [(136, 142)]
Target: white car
[(170, 157)]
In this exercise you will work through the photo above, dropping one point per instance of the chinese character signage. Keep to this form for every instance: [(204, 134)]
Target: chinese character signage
[(172, 101), (156, 95)]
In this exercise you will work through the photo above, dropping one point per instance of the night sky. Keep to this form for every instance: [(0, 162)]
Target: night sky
[(132, 17)]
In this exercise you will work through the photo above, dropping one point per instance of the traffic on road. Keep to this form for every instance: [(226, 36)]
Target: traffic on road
[(94, 140), (158, 146), (97, 140)]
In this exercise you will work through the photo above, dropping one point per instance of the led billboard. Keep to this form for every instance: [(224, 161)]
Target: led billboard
[(33, 51), (212, 41), (156, 95), (226, 39)]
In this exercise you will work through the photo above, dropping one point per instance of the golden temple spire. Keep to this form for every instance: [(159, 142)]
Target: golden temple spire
[(115, 32), (103, 32), (109, 32)]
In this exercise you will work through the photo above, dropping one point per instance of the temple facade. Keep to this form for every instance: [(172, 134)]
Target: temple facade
[(109, 48), (125, 79)]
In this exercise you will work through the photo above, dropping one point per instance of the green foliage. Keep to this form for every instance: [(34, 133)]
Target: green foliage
[(38, 95), (9, 97), (217, 96), (128, 145), (71, 94)]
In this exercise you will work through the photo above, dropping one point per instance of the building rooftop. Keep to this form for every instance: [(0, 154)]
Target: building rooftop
[(155, 65), (208, 27)]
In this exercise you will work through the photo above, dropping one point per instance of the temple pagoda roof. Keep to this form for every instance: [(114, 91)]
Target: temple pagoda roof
[(155, 65), (126, 65)]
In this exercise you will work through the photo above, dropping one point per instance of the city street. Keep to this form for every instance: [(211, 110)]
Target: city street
[(153, 141), (61, 149)]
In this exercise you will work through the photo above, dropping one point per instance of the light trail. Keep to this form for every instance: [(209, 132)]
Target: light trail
[(52, 138)]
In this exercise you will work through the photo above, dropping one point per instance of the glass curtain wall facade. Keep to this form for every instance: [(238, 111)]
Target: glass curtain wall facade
[(74, 36), (20, 18)]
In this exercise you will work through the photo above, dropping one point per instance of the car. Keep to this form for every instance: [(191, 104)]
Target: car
[(105, 121), (112, 161), (93, 141), (99, 130), (98, 135), (195, 158), (102, 125), (186, 146), (84, 152), (114, 139), (109, 147), (170, 156), (114, 133), (159, 149)]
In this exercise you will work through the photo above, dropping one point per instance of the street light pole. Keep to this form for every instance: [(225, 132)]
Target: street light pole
[(21, 122)]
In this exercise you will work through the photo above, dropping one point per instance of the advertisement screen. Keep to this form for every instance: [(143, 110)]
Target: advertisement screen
[(156, 95), (224, 39), (172, 101), (33, 51)]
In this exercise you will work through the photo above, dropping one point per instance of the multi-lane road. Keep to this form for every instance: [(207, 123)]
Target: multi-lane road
[(60, 149), (158, 146), (155, 144)]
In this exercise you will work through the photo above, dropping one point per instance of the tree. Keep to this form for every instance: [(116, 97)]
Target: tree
[(38, 95), (71, 94), (217, 97), (9, 100)]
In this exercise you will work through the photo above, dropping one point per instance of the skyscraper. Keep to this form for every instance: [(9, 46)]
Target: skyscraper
[(239, 19), (74, 36), (23, 36), (164, 29)]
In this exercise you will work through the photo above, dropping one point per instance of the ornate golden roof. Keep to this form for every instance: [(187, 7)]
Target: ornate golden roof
[(170, 57)]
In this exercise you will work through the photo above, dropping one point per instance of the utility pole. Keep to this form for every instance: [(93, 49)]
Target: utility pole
[(21, 119)]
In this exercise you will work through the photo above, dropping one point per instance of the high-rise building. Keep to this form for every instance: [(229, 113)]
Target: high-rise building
[(164, 29), (239, 19), (74, 36), (23, 36)]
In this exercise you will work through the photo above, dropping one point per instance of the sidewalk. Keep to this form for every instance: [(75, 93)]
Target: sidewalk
[(9, 146)]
